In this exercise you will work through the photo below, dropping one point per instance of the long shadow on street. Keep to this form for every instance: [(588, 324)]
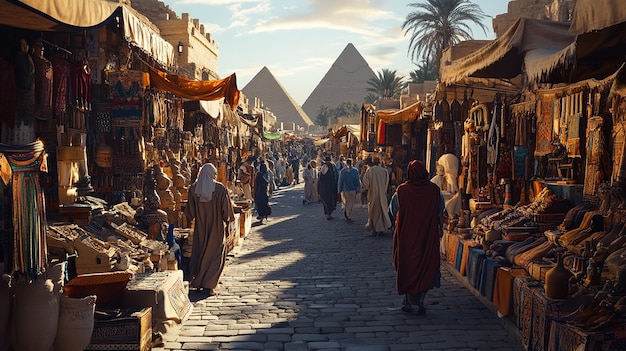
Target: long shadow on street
[(301, 282)]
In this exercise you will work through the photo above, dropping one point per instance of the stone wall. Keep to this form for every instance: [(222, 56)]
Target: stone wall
[(153, 9), (556, 10), (198, 56)]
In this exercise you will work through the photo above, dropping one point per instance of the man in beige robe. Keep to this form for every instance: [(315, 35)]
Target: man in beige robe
[(375, 181), (210, 205)]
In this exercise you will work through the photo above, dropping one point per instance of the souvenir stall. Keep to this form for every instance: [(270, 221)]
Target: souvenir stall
[(548, 255), (395, 135), (110, 127)]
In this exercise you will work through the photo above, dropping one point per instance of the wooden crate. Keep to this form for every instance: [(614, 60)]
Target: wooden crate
[(132, 331)]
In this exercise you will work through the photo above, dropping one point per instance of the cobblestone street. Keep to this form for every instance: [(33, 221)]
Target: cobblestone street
[(301, 282)]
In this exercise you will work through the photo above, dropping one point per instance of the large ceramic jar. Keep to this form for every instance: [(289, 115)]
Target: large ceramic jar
[(557, 280)]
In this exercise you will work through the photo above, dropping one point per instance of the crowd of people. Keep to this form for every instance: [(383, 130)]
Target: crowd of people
[(410, 206)]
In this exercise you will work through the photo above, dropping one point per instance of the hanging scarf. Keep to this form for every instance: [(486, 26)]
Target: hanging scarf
[(29, 212)]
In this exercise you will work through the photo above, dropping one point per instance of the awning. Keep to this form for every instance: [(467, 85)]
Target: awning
[(525, 41), (593, 55), (355, 130), (55, 15), (590, 15), (406, 115), (212, 108), (197, 90), (139, 34)]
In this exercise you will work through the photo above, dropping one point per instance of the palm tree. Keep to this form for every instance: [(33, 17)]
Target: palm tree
[(386, 84), (425, 71), (438, 24)]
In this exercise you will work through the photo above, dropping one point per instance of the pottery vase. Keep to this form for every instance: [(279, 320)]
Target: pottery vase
[(557, 280)]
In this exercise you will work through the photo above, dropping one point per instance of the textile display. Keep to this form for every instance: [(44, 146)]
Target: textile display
[(62, 72), (488, 277), (127, 88), (459, 256), (29, 254), (544, 309), (503, 289), (573, 136), (467, 245), (43, 87), (567, 337), (520, 161), (164, 292), (545, 119), (452, 248), (81, 85), (619, 156), (595, 153), (197, 90), (526, 315), (475, 259), (381, 133), (519, 284)]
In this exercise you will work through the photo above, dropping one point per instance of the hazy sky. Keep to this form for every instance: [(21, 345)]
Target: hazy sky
[(298, 40)]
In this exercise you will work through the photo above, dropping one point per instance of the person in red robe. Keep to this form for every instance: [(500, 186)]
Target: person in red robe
[(416, 237)]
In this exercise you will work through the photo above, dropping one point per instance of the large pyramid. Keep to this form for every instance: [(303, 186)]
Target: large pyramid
[(346, 80), (265, 87)]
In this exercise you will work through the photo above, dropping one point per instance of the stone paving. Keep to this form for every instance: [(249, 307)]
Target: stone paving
[(301, 282)]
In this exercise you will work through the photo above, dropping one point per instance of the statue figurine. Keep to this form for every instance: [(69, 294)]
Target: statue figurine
[(150, 216)]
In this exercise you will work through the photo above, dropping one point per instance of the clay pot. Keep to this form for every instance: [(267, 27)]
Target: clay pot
[(557, 280)]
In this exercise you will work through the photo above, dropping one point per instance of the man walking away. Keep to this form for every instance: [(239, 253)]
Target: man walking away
[(416, 237), (327, 186), (375, 181), (349, 187)]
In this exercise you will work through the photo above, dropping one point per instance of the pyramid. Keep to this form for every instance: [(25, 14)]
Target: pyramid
[(346, 80), (265, 87)]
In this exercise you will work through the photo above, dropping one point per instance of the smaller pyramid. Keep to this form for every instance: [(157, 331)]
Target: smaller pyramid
[(274, 96), (346, 80)]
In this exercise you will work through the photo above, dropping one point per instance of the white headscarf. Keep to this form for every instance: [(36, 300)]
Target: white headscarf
[(205, 184)]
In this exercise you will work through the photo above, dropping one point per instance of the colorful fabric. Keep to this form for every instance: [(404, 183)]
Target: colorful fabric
[(520, 157), (62, 72), (596, 149), (503, 289), (545, 119), (43, 87), (29, 254)]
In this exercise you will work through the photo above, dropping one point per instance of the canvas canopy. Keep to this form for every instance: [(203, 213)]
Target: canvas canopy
[(597, 52), (68, 15), (148, 40), (406, 115), (590, 15), (525, 42), (55, 15)]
